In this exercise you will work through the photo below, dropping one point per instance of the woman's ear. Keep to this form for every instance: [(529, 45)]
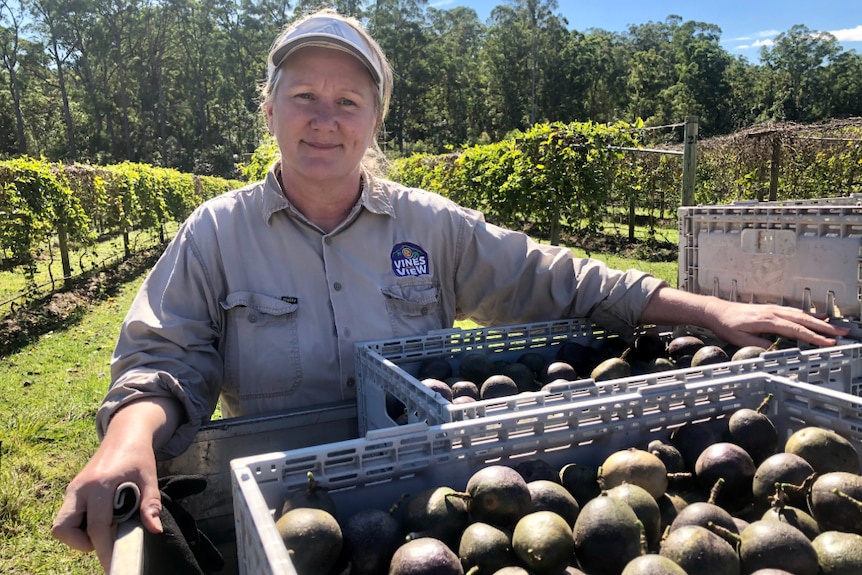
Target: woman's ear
[(267, 107)]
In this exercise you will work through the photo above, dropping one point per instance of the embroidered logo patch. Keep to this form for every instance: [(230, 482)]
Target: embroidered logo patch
[(409, 260)]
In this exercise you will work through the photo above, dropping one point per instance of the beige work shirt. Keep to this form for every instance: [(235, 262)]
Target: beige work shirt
[(254, 304)]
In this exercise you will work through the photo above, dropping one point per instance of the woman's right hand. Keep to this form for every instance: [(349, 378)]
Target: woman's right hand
[(127, 453), (85, 519)]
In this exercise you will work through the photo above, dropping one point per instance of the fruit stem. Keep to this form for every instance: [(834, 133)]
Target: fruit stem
[(779, 498), (848, 497), (664, 535), (460, 495), (643, 538), (394, 507), (764, 404), (723, 532), (680, 475), (774, 345), (716, 488)]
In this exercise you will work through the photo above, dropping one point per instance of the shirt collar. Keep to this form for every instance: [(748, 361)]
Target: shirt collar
[(374, 197)]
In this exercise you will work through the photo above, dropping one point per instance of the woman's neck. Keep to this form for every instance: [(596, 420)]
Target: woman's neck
[(325, 204)]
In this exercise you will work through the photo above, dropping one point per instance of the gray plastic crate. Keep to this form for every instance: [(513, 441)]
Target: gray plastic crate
[(838, 368), (853, 199), (390, 367), (210, 454), (375, 470), (803, 254)]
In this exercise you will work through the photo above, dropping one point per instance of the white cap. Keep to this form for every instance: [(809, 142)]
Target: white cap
[(326, 32)]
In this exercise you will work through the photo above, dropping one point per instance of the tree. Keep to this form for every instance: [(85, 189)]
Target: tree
[(651, 68), (597, 69), (845, 81), (548, 70), (701, 65), (176, 82), (49, 18), (400, 29), (797, 64), (120, 19), (742, 80), (506, 60), (522, 57), (454, 104), (10, 52)]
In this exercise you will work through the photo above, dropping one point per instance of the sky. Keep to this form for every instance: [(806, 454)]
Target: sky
[(745, 25)]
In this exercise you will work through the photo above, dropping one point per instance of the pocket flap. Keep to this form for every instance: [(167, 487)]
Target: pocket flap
[(259, 302), (421, 294)]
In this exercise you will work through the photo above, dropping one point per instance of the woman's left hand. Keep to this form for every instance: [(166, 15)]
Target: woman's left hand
[(740, 323), (750, 324)]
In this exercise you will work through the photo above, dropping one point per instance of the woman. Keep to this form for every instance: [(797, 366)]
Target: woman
[(261, 296)]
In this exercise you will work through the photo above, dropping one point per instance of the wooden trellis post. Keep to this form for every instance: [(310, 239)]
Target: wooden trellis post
[(689, 160)]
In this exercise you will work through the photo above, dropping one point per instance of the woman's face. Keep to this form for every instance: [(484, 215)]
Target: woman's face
[(323, 115)]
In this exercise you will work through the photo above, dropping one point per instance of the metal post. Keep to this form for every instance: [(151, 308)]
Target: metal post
[(689, 160)]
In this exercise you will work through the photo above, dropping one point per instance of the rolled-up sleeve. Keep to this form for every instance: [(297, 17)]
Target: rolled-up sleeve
[(536, 282), (168, 345)]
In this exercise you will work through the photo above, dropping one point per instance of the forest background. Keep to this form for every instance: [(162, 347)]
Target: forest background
[(174, 83)]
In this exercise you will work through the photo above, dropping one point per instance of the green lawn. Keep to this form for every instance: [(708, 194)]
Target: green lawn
[(49, 393)]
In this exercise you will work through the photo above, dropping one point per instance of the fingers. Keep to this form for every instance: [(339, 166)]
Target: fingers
[(752, 324), (67, 526), (151, 507), (85, 523), (100, 530), (807, 327)]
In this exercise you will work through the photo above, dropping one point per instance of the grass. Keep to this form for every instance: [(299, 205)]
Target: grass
[(49, 393)]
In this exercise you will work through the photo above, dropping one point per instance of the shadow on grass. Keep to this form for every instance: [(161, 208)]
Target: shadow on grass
[(62, 309)]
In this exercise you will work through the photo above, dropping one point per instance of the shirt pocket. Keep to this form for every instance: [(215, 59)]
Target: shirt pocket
[(262, 355), (413, 308)]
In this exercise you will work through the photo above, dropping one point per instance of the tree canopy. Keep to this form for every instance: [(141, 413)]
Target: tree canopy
[(174, 83)]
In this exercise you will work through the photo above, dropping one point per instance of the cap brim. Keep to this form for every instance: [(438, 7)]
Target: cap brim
[(327, 32), (322, 41)]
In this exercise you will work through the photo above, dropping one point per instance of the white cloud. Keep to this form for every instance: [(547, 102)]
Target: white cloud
[(756, 44), (848, 34), (766, 38), (768, 34)]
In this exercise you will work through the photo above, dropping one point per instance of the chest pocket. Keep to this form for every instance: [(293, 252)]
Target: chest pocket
[(262, 356), (413, 308)]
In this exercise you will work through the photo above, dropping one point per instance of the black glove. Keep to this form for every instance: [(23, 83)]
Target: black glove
[(181, 548)]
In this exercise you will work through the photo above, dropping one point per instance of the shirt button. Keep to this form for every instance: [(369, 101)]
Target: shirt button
[(252, 318), (336, 286), (347, 332), (424, 311), (327, 240), (351, 382)]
